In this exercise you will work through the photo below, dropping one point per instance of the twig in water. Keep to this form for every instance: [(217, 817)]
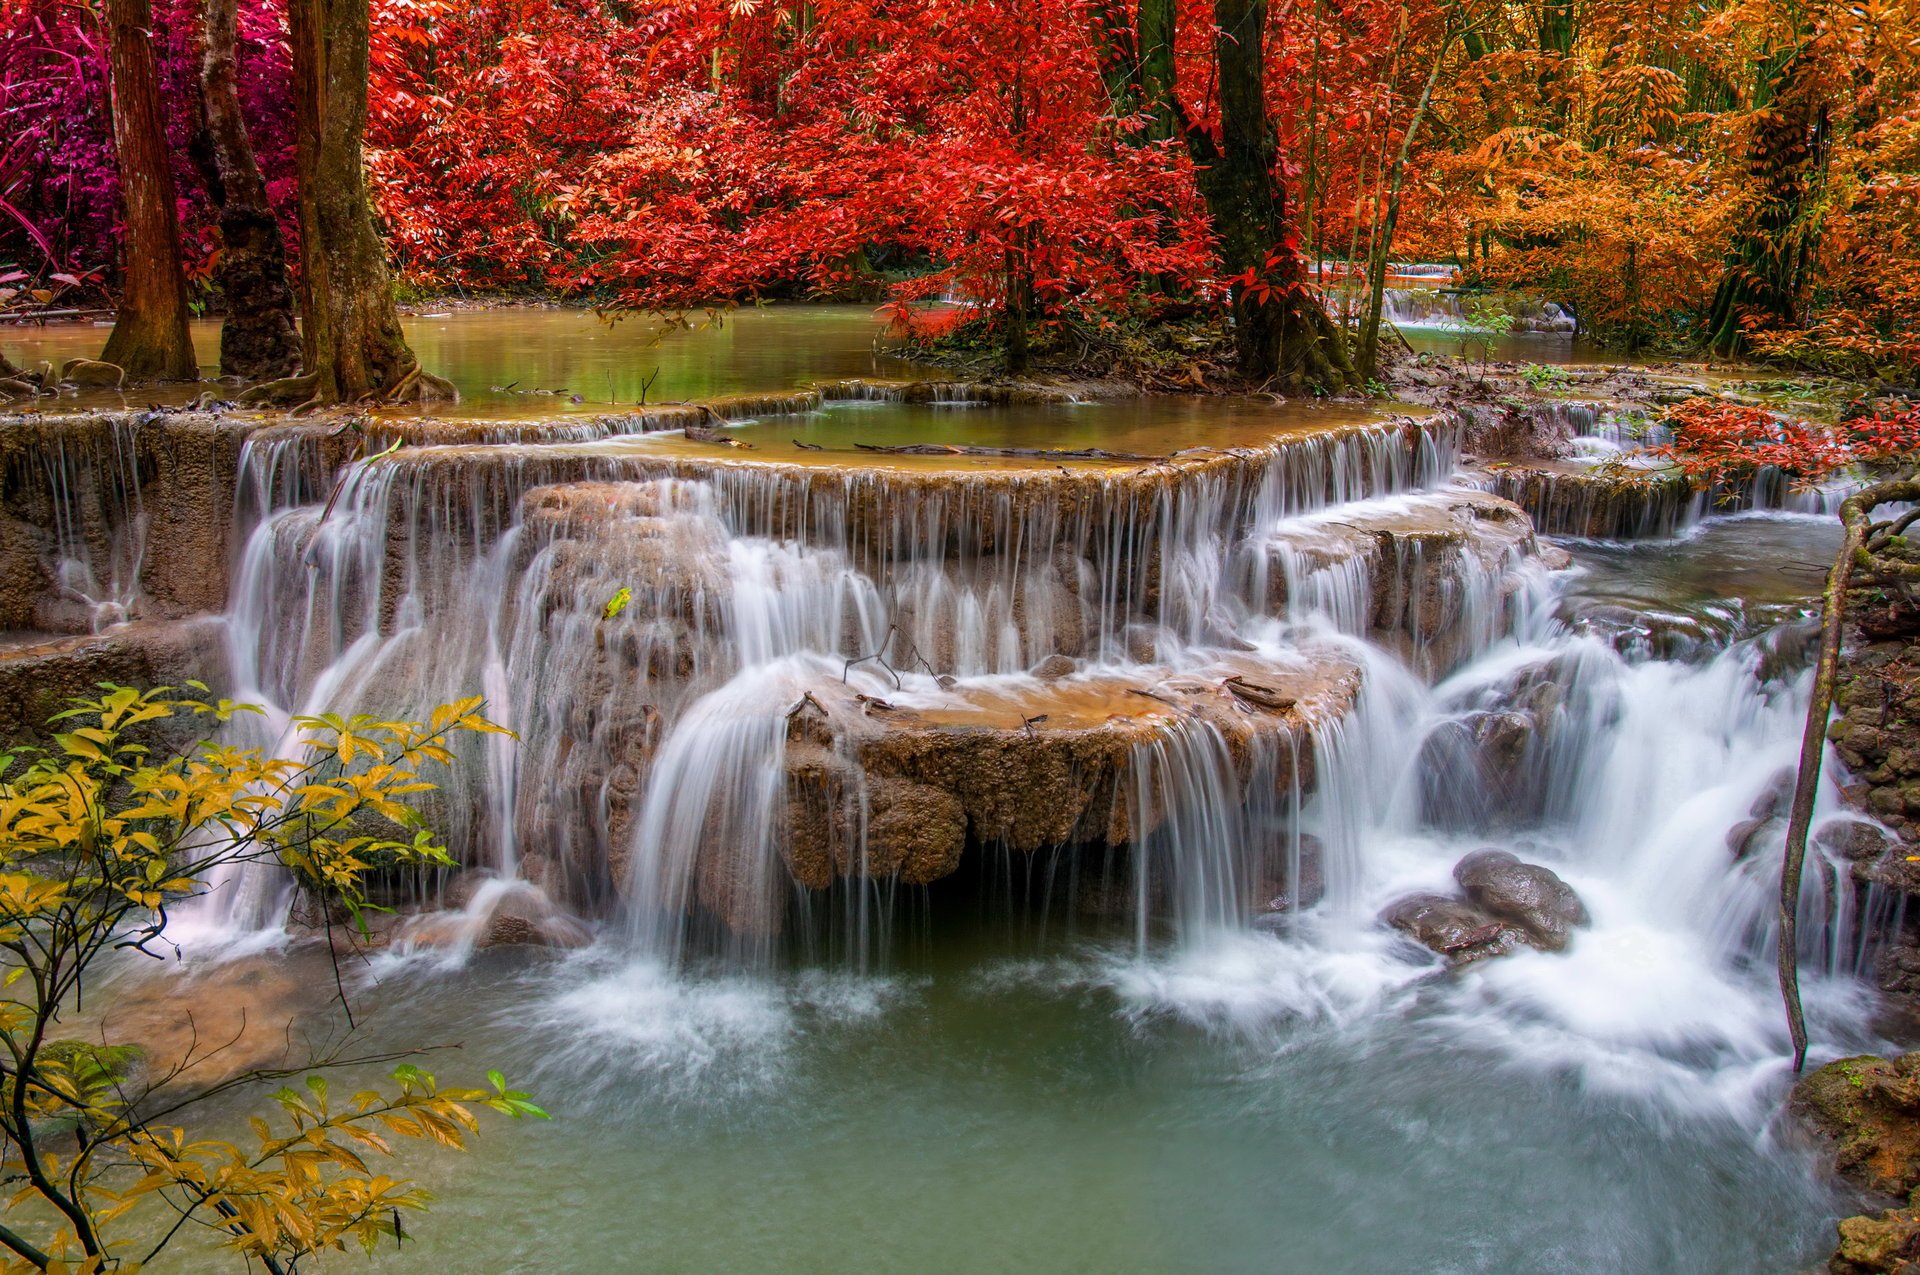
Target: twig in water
[(878, 657)]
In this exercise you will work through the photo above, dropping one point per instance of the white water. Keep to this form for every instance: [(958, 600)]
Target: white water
[(650, 738)]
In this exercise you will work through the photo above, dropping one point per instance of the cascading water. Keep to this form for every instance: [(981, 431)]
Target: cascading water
[(653, 778), (781, 726)]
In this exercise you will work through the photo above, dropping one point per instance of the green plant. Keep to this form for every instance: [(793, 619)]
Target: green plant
[(1482, 326), (101, 834), (1545, 378)]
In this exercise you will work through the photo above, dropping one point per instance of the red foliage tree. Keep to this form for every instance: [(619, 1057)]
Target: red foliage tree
[(1718, 444)]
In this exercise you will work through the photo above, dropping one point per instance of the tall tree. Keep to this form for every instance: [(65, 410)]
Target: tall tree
[(257, 339), (352, 347), (1369, 359), (150, 338), (1769, 267), (1282, 334)]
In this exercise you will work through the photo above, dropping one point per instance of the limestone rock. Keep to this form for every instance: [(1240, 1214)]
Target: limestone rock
[(915, 831)]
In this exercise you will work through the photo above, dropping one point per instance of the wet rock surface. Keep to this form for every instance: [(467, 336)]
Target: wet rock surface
[(1877, 704), (1417, 572), (1504, 904), (1452, 927), (1523, 894), (1865, 1111)]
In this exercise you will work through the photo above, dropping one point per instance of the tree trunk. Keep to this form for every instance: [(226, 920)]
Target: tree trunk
[(1369, 362), (1772, 254), (1155, 21), (1018, 309), (1281, 331), (150, 339), (257, 340), (352, 347)]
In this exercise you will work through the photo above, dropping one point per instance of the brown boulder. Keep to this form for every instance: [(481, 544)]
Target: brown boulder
[(1527, 895), (1452, 927)]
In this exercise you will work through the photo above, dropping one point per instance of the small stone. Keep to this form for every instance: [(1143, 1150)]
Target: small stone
[(1740, 837), (1851, 839), (1776, 797)]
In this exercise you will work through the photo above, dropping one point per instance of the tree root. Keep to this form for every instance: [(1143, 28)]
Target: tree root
[(417, 385), (306, 393), (299, 392)]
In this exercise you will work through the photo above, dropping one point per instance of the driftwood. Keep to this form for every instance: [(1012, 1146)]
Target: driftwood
[(1010, 453), (708, 434), (1857, 551), (1264, 698)]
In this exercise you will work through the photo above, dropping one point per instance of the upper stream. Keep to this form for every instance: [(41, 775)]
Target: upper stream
[(1049, 939)]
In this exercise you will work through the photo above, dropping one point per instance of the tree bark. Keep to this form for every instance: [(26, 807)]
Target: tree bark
[(1155, 23), (150, 339), (257, 339), (352, 347), (1282, 333)]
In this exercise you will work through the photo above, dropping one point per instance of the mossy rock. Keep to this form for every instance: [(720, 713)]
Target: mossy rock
[(1869, 1109), (1886, 1243)]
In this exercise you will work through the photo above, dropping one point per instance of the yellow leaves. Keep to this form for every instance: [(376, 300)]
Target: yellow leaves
[(96, 835)]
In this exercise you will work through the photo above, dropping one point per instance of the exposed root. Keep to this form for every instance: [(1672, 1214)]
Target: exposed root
[(287, 391), (417, 385)]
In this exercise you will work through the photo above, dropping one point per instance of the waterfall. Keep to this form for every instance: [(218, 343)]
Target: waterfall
[(1280, 686)]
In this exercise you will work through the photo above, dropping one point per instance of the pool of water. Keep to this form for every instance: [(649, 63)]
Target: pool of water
[(1060, 1105), (540, 361)]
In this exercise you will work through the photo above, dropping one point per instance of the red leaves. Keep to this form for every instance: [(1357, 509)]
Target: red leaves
[(655, 157), (1718, 443)]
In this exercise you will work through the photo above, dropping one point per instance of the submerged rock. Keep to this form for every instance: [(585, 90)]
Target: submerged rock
[(93, 374), (1743, 837), (1525, 894), (1283, 883)]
